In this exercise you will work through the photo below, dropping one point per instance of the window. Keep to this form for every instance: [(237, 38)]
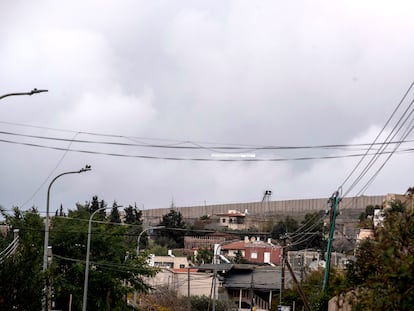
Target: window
[(253, 255)]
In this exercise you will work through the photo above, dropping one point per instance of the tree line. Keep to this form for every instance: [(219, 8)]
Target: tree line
[(115, 271)]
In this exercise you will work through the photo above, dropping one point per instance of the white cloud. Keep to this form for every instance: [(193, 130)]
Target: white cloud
[(110, 110)]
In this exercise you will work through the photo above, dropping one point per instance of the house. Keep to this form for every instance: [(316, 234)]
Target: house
[(250, 285), (304, 258), (208, 241), (177, 275), (185, 281), (254, 250), (171, 262), (233, 220)]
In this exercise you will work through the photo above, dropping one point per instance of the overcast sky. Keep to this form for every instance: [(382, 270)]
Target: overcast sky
[(199, 74)]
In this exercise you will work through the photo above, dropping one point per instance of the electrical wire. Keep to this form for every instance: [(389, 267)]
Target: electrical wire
[(106, 265), (379, 134), (307, 230), (51, 172), (382, 151), (196, 146), (409, 150), (370, 181), (309, 221), (10, 249)]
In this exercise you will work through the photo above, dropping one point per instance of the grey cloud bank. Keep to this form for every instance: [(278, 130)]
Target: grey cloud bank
[(233, 72)]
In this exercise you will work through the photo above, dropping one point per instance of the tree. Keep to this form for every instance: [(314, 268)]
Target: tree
[(310, 234), (166, 299), (203, 256), (133, 215), (60, 213), (289, 225), (95, 204), (365, 218), (21, 274), (306, 235), (114, 216), (112, 258), (312, 288), (168, 236), (383, 273), (239, 259)]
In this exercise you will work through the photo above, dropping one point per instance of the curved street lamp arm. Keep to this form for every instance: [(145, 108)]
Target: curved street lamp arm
[(85, 169), (34, 91), (140, 234)]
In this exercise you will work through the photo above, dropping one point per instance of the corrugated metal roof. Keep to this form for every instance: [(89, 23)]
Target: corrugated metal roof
[(266, 278)]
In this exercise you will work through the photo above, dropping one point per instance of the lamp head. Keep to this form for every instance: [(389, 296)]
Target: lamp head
[(86, 168), (36, 91)]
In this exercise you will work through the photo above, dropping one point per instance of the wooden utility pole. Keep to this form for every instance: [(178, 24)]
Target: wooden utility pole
[(282, 267), (301, 293)]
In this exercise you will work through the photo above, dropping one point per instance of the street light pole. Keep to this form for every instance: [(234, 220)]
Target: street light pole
[(34, 91), (138, 240), (139, 236), (216, 261), (88, 248), (46, 244)]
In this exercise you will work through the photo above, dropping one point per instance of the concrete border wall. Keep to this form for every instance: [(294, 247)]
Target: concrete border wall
[(280, 208)]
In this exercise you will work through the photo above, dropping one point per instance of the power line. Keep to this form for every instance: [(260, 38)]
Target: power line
[(108, 265), (370, 181), (305, 224), (369, 166), (379, 134), (51, 172), (409, 150), (197, 146), (382, 150)]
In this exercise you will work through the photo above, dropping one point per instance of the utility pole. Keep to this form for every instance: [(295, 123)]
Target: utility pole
[(188, 289), (252, 298), (302, 266), (283, 238), (333, 204), (301, 293), (286, 263)]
